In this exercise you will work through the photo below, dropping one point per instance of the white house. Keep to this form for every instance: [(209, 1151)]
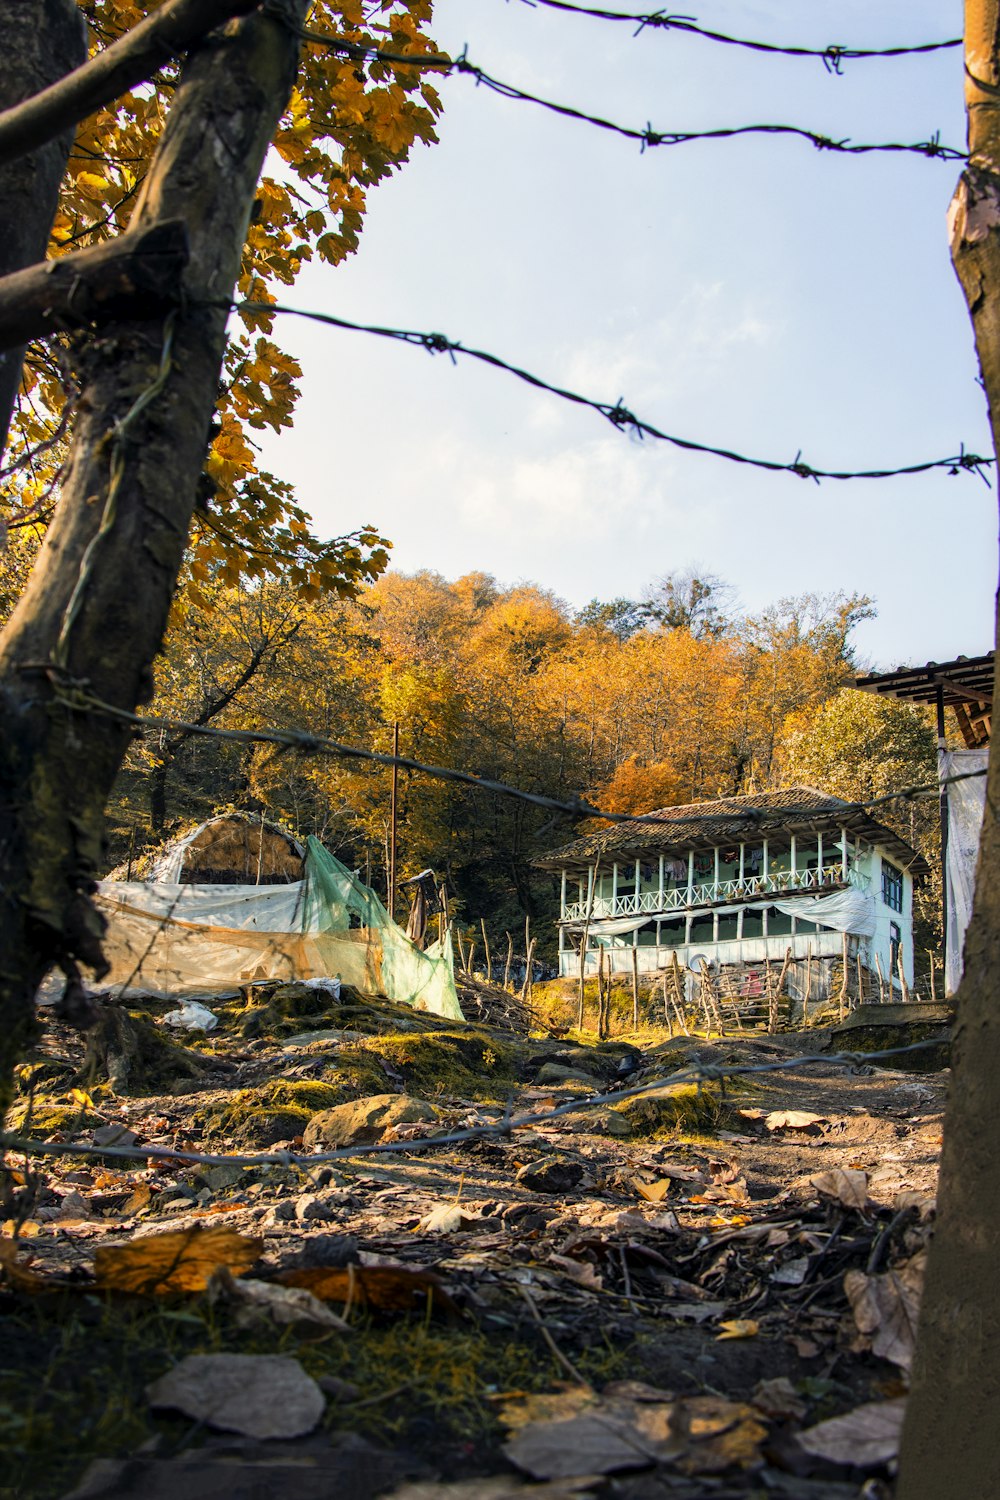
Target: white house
[(736, 882)]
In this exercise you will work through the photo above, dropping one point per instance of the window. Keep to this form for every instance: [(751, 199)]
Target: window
[(895, 943), (892, 886)]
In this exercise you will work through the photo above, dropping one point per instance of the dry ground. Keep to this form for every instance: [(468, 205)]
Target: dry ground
[(692, 1272)]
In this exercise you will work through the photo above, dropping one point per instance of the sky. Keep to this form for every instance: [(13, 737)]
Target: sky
[(754, 294)]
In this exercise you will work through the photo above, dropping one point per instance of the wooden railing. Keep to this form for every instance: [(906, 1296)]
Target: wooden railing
[(682, 897)]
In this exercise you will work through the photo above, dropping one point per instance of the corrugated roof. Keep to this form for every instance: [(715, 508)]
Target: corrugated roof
[(734, 820), (966, 679)]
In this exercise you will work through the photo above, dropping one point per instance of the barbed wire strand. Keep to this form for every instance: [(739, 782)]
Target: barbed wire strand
[(647, 137), (617, 413), (699, 1073), (76, 698), (831, 56)]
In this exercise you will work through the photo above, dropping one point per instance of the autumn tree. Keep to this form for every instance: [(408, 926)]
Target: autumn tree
[(160, 396), (951, 1440)]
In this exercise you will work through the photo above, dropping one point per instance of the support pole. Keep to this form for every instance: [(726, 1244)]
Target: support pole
[(392, 819), (943, 816)]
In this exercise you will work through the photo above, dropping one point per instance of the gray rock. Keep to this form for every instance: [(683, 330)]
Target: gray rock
[(364, 1120), (551, 1072), (308, 1206), (553, 1174)]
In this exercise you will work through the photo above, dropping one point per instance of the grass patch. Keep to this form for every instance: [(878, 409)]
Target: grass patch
[(76, 1365)]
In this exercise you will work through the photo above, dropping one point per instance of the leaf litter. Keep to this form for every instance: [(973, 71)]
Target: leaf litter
[(762, 1280)]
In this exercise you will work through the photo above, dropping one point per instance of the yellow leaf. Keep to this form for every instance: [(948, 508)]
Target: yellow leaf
[(653, 1192), (739, 1328), (81, 1097), (181, 1260)]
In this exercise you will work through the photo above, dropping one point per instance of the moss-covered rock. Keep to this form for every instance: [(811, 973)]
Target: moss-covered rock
[(462, 1063), (363, 1121), (675, 1108), (279, 1111), (41, 1119)]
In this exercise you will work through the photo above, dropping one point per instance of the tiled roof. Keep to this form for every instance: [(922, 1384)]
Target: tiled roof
[(733, 820)]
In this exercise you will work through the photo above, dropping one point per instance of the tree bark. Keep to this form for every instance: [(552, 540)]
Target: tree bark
[(951, 1438), (137, 275), (42, 40), (96, 605)]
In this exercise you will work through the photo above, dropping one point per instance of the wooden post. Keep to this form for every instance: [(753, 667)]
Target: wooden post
[(510, 958), (461, 948), (679, 997), (843, 982), (529, 963), (392, 819), (861, 982), (472, 957), (635, 989), (930, 957), (592, 874), (600, 993), (904, 987), (881, 981), (486, 945), (809, 980)]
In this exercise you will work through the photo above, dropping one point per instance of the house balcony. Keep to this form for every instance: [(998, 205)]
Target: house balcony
[(684, 898)]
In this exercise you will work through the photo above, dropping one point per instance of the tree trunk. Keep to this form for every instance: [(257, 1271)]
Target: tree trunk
[(951, 1438), (42, 41), (96, 605)]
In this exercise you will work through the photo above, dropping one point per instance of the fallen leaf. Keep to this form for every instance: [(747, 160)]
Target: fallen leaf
[(863, 1438), (794, 1119), (653, 1192), (26, 1230), (387, 1288), (138, 1200), (545, 1406), (779, 1398), (718, 1434), (259, 1395), (257, 1302), (181, 1260), (886, 1307), (15, 1274), (595, 1442), (446, 1218), (738, 1328), (844, 1184), (580, 1271), (502, 1487)]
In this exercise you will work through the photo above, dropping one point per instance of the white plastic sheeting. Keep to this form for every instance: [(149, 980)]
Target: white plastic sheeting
[(174, 939), (845, 911), (966, 801)]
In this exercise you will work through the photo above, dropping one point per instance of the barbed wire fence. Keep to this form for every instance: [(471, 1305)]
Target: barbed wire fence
[(832, 56), (75, 697), (647, 137)]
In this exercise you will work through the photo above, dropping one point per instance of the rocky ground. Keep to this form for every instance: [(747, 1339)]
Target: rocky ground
[(707, 1291)]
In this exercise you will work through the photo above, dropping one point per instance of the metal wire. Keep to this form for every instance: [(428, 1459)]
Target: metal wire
[(76, 698), (831, 56), (698, 1073), (647, 137), (617, 413)]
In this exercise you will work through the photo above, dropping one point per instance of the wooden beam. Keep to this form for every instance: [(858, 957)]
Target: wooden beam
[(137, 272)]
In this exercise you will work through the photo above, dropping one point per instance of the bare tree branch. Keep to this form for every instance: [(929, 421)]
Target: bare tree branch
[(127, 62), (135, 273)]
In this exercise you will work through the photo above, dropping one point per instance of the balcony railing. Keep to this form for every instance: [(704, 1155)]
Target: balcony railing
[(682, 897)]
